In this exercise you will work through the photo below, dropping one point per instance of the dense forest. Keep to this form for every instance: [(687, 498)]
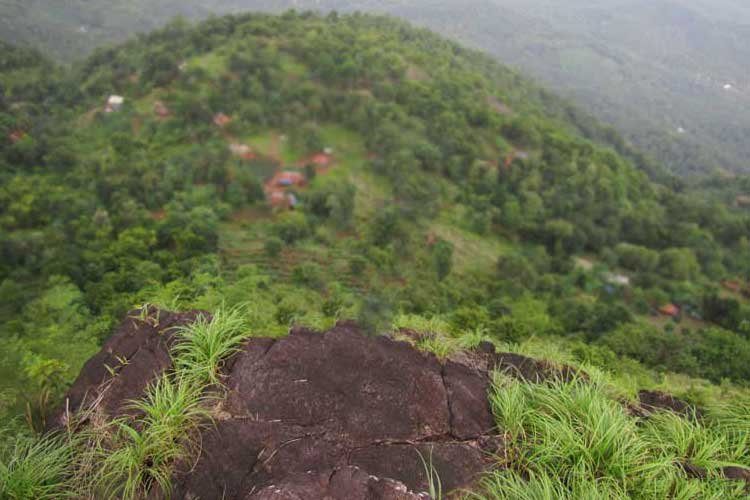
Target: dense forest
[(316, 168)]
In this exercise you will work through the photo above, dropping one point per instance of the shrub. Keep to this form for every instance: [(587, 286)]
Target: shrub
[(201, 346)]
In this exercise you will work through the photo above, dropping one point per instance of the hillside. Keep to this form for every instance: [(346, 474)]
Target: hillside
[(305, 170), (657, 70)]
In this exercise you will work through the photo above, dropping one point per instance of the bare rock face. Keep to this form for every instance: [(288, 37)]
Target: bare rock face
[(305, 411), (337, 415)]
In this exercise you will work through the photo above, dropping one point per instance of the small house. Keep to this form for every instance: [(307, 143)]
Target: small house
[(280, 199), (287, 179), (617, 279), (242, 150), (670, 310), (114, 103), (742, 201), (161, 109), (16, 136), (292, 199), (321, 160), (221, 120)]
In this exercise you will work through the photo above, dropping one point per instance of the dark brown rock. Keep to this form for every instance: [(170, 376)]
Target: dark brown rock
[(693, 471), (338, 414), (652, 401), (128, 361), (736, 473), (533, 370), (359, 386), (346, 483), (457, 464), (470, 413), (313, 404)]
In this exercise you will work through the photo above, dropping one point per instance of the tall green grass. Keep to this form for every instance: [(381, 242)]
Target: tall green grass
[(571, 440), (141, 454), (39, 468), (202, 346), (131, 456)]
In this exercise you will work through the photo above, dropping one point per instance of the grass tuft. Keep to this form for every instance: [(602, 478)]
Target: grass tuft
[(39, 468), (202, 346), (572, 439), (143, 453)]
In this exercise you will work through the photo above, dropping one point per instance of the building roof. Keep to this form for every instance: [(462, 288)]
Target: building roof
[(161, 109), (16, 136), (321, 159), (669, 310), (222, 120), (242, 150), (289, 178)]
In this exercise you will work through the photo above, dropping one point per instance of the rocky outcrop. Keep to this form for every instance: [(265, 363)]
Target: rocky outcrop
[(136, 353), (338, 414), (308, 408)]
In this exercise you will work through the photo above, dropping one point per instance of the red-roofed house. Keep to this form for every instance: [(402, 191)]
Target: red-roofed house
[(285, 179), (221, 120), (242, 150), (321, 160), (670, 310), (161, 109), (16, 136)]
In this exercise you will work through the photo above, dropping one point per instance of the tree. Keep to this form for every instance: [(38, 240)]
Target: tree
[(442, 253), (679, 264), (637, 258)]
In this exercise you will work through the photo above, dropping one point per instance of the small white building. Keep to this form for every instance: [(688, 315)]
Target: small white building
[(114, 103), (617, 279)]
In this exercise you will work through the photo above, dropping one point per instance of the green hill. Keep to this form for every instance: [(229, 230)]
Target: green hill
[(431, 188), (668, 74)]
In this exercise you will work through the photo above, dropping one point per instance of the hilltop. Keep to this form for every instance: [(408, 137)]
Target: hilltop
[(668, 74), (308, 170)]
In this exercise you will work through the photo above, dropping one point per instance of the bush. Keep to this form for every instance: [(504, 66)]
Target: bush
[(291, 227), (273, 246)]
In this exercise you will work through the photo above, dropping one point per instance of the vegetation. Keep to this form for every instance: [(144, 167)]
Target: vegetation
[(665, 91), (131, 455), (572, 440), (419, 202)]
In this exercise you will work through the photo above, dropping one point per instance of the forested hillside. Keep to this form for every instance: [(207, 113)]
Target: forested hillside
[(317, 168), (670, 75)]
